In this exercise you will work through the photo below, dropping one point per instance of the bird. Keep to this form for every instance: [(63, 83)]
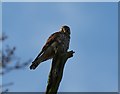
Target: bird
[(58, 39)]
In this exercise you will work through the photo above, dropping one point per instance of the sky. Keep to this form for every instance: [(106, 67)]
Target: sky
[(94, 38), (60, 0)]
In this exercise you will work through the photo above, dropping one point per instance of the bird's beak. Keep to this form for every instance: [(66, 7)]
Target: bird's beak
[(64, 30)]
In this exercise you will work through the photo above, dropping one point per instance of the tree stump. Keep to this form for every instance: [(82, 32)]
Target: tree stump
[(56, 72)]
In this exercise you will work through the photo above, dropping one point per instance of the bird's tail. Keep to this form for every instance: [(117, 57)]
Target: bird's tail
[(34, 65), (41, 59), (48, 54)]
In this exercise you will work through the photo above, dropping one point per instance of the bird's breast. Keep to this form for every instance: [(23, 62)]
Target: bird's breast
[(64, 42)]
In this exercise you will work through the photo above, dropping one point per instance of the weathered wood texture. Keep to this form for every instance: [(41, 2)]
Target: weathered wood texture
[(56, 72)]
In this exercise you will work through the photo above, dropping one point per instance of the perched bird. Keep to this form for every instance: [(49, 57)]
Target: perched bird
[(60, 38)]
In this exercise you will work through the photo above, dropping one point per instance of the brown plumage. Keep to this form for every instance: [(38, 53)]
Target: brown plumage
[(61, 38)]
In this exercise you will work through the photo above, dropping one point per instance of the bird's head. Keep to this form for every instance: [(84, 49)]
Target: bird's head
[(65, 29)]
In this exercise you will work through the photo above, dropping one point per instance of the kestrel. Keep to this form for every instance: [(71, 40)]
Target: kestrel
[(60, 38)]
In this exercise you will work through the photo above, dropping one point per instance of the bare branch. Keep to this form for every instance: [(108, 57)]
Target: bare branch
[(15, 67), (3, 37), (9, 61)]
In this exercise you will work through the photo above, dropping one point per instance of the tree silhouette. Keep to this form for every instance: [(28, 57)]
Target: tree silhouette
[(9, 61)]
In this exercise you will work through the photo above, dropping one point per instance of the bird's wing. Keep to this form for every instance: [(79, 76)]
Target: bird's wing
[(50, 40)]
